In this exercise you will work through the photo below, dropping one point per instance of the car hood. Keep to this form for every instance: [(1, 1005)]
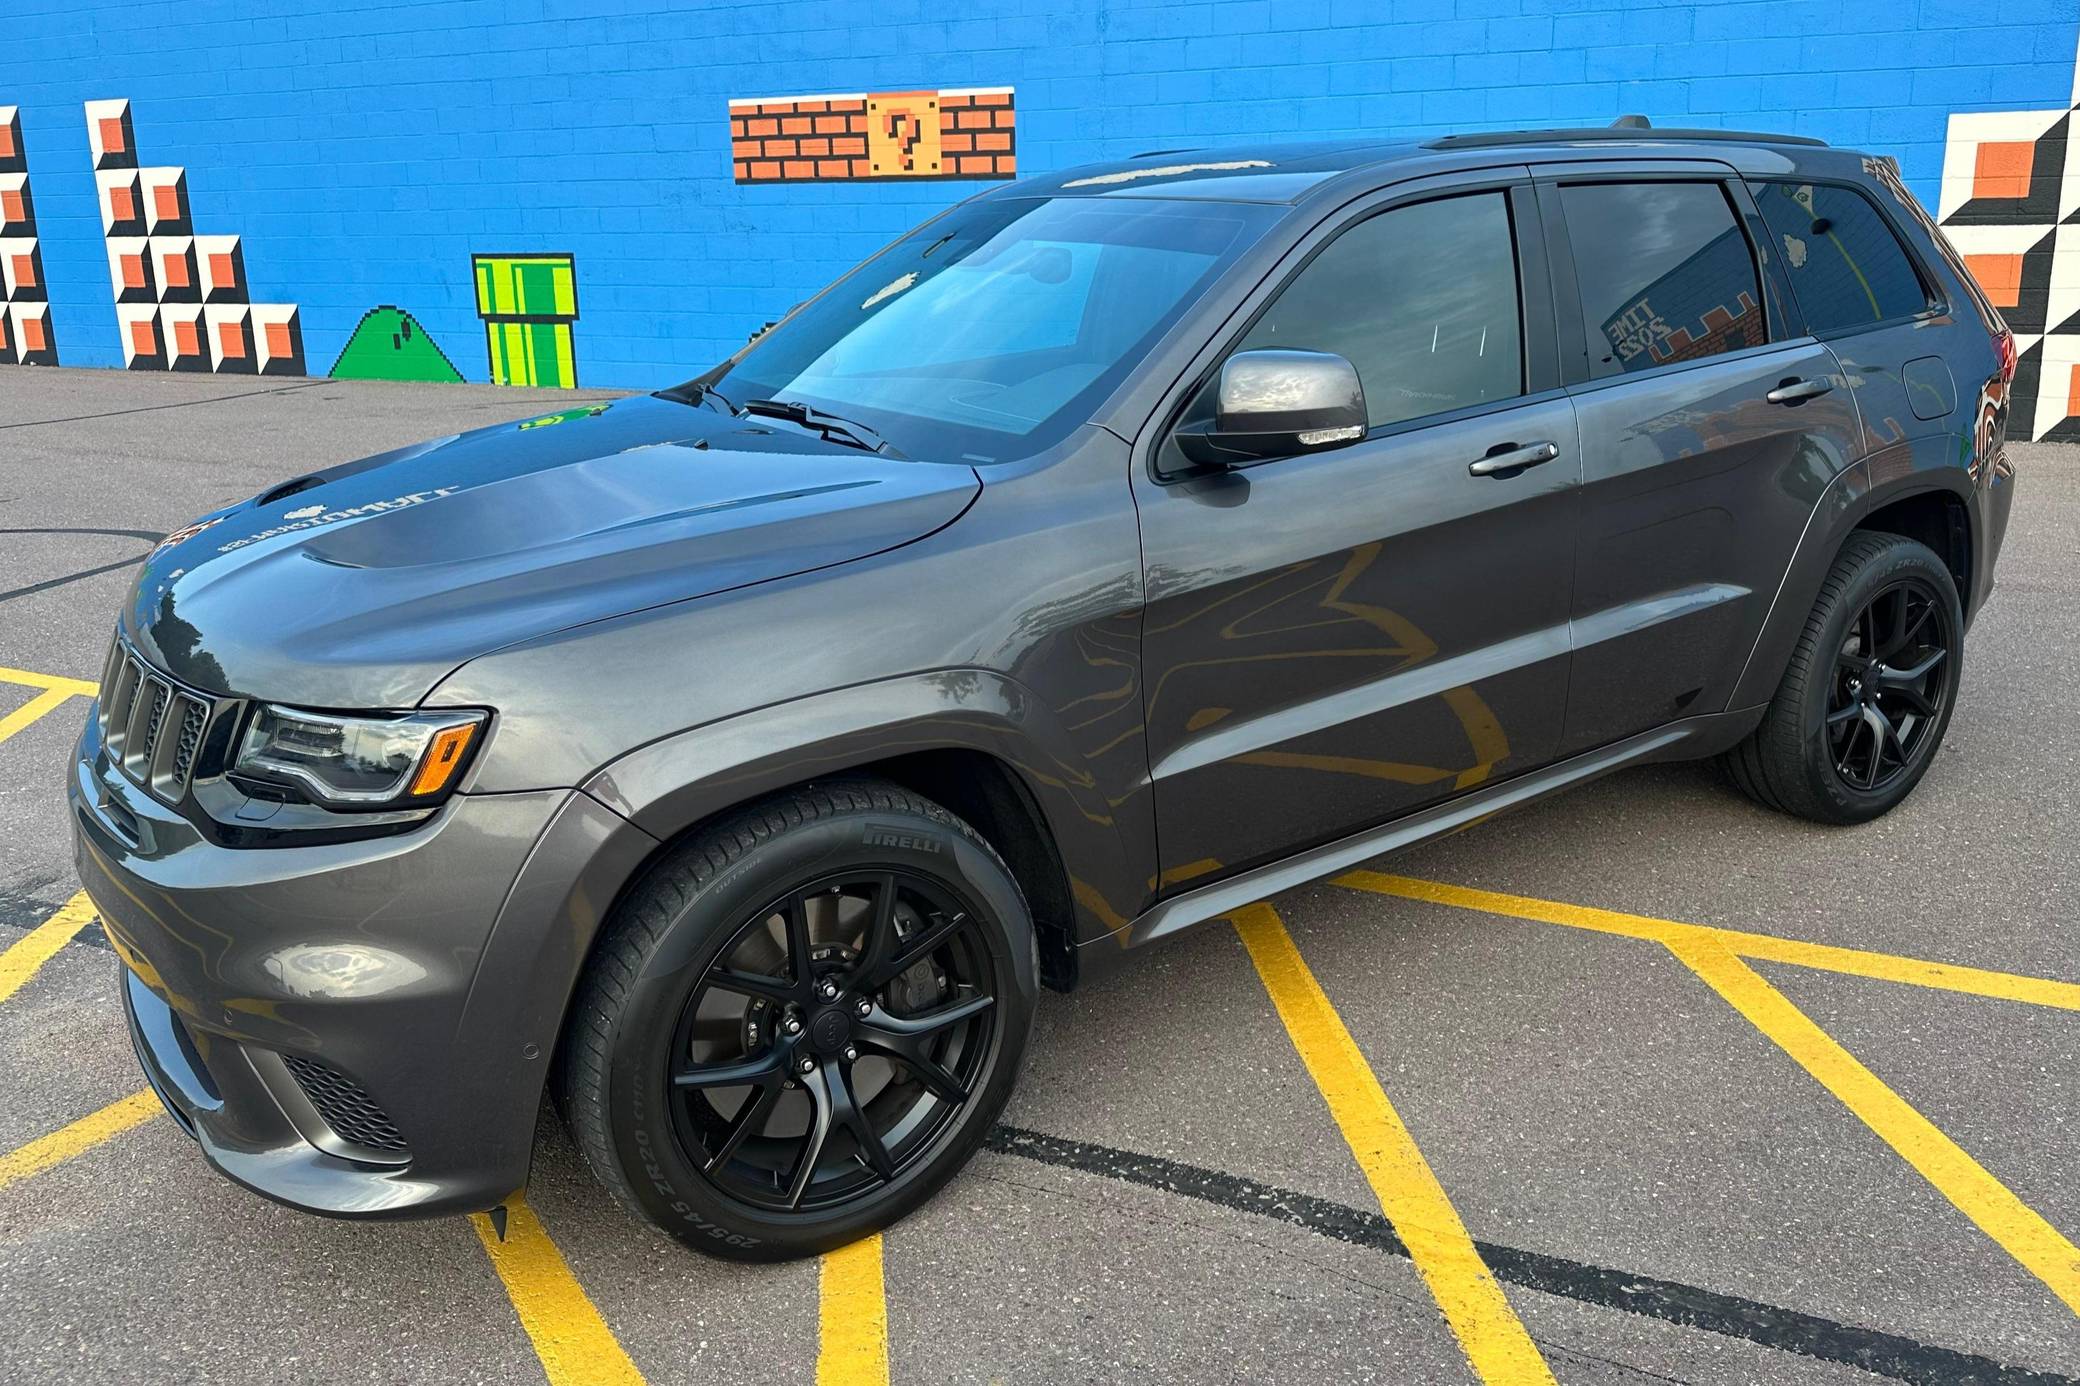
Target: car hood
[(364, 585)]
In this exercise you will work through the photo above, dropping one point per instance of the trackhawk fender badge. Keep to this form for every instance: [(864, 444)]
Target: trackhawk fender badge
[(882, 835)]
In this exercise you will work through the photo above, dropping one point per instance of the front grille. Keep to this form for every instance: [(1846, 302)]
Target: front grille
[(345, 1106), (153, 728)]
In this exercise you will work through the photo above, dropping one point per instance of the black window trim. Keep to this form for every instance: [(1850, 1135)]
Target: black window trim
[(1777, 317), (1542, 375), (1937, 302)]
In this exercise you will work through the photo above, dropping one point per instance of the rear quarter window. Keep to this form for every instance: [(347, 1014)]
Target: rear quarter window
[(1846, 264)]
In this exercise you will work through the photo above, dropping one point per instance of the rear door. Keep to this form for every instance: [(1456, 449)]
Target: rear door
[(1334, 639), (1862, 293), (1711, 425)]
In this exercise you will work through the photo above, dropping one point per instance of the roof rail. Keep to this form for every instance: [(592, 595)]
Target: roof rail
[(1488, 138)]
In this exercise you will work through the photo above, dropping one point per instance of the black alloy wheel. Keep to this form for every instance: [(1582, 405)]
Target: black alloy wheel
[(1869, 689), (1889, 686), (801, 1021), (831, 1042)]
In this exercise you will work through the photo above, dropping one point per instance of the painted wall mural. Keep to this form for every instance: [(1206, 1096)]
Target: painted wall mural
[(25, 313), (181, 299), (528, 303), (2010, 203), (389, 344), (965, 132)]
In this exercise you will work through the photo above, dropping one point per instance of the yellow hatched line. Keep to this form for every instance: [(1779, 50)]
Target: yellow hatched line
[(77, 1138), (2013, 1224), (1489, 1332), (45, 702), (54, 690), (854, 1317), (27, 954), (1855, 962), (574, 1344), (54, 682), (1716, 955)]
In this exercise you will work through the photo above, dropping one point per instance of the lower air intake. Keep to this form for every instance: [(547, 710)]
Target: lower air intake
[(348, 1110)]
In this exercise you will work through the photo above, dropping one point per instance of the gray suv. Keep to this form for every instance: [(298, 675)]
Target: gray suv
[(735, 763)]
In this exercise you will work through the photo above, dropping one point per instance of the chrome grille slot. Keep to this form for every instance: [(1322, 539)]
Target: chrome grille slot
[(152, 729), (111, 668), (147, 710), (115, 712), (180, 737)]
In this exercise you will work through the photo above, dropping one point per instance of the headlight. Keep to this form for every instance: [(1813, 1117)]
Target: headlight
[(379, 760)]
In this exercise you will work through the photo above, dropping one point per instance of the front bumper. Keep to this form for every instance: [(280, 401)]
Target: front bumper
[(422, 975)]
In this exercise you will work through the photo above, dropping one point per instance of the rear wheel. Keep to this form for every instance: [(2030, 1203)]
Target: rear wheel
[(802, 1022), (1869, 690)]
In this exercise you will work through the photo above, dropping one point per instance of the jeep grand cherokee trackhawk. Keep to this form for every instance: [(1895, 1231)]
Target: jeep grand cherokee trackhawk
[(734, 763)]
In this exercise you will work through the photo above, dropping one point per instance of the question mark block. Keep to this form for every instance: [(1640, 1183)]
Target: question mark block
[(903, 134)]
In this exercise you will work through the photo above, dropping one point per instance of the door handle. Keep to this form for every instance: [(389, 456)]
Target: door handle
[(1792, 391), (1508, 457)]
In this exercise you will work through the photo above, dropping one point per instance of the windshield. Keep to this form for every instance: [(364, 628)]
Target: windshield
[(992, 331)]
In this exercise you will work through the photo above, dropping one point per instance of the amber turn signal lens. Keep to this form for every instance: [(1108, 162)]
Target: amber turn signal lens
[(442, 758)]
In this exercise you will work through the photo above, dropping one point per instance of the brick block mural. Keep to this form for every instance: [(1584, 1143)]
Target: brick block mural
[(181, 299), (969, 132), (25, 315), (2010, 203), (365, 160)]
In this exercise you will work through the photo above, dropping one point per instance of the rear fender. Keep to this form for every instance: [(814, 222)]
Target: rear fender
[(1926, 464)]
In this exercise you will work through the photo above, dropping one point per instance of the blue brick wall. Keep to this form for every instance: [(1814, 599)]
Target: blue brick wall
[(364, 151)]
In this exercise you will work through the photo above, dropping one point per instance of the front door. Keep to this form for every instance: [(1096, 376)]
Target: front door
[(1335, 639)]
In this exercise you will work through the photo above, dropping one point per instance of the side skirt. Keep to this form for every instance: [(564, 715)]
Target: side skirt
[(1689, 739)]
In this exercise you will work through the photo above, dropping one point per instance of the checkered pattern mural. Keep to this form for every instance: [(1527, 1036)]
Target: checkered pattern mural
[(181, 299), (2011, 205), (969, 132), (25, 312)]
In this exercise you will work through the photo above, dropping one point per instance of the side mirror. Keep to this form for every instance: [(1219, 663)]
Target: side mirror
[(1276, 404)]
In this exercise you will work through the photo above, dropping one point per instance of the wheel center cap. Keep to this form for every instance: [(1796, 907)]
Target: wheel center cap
[(830, 1030)]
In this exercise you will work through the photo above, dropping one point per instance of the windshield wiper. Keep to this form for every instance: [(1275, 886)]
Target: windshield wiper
[(832, 427), (693, 392)]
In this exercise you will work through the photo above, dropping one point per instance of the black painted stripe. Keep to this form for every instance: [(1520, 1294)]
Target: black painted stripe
[(1785, 1330)]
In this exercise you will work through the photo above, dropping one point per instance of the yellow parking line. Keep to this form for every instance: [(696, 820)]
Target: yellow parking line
[(81, 1136), (85, 688), (27, 954), (854, 1317), (574, 1344), (45, 702), (1856, 962), (1489, 1332), (2019, 1230)]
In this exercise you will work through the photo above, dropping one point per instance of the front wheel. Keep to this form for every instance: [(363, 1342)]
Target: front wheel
[(1869, 690), (802, 1022)]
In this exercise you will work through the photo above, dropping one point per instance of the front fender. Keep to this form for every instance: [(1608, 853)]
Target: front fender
[(670, 785)]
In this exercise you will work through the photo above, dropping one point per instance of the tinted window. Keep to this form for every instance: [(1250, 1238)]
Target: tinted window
[(1846, 266), (995, 329), (1665, 273), (1422, 300)]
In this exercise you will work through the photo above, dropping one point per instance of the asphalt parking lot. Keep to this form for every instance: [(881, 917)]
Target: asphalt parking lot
[(1643, 1084)]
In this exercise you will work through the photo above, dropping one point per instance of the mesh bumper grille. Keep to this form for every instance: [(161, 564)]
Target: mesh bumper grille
[(346, 1108)]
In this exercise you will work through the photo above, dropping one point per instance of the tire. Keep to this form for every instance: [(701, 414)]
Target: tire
[(700, 971), (1819, 753)]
